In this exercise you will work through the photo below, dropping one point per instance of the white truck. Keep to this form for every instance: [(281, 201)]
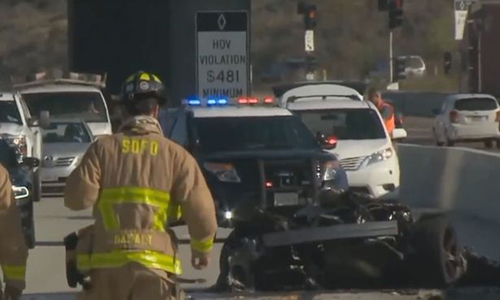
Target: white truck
[(69, 99)]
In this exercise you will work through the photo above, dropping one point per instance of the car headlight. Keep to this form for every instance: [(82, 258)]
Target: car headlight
[(20, 192), (330, 170), (224, 172), (380, 156), (18, 141)]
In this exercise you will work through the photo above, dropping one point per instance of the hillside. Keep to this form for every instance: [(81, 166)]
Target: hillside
[(352, 36)]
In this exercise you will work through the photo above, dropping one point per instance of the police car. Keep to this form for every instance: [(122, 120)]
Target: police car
[(254, 151)]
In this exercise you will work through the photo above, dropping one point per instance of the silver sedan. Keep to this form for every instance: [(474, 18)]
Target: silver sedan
[(64, 144)]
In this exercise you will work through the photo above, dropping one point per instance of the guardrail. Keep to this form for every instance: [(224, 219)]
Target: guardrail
[(458, 179)]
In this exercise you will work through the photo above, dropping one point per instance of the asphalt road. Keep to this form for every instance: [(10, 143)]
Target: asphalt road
[(420, 132), (46, 266)]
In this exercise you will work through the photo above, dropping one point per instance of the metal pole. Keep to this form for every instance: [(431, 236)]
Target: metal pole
[(391, 59), (479, 63)]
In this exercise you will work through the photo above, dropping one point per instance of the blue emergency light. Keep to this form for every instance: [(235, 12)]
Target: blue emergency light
[(209, 102), (194, 102)]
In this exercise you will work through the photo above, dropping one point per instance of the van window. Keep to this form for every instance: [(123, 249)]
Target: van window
[(475, 104), (345, 124), (88, 106)]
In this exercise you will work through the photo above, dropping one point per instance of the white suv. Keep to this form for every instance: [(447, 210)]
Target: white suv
[(20, 130), (467, 118), (362, 142)]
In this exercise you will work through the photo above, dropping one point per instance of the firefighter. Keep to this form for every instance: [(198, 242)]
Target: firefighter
[(13, 249), (139, 182), (385, 109)]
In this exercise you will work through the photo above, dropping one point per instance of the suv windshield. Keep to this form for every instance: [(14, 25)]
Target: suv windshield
[(88, 106), (253, 133), (345, 124), (9, 113), (474, 104), (66, 133)]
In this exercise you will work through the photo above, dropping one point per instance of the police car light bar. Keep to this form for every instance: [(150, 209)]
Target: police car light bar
[(209, 102)]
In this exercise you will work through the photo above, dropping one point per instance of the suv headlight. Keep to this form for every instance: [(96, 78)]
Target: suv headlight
[(224, 172), (330, 170), (20, 192), (18, 141), (380, 156)]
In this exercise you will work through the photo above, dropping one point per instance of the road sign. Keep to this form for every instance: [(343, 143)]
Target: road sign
[(309, 40), (222, 53), (461, 12)]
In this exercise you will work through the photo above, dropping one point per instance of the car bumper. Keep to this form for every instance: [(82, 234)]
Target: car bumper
[(54, 180), (380, 180), (474, 132)]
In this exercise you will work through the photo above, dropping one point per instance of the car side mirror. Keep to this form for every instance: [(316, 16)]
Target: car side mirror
[(436, 111), (31, 162), (399, 134), (44, 120), (329, 143)]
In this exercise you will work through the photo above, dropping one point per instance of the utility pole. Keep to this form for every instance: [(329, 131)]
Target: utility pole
[(391, 56)]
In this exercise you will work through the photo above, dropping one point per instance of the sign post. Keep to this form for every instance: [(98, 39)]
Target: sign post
[(222, 54)]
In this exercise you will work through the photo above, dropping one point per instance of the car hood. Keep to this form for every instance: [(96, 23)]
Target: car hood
[(357, 148), (11, 128), (65, 149), (271, 154)]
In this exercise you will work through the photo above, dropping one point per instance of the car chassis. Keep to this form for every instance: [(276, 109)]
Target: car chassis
[(345, 241)]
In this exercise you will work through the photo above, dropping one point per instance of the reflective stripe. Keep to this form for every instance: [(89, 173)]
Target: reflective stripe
[(113, 196), (145, 76), (14, 272), (202, 247), (156, 78), (149, 259)]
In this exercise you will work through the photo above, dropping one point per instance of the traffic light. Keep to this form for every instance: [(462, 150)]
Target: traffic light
[(310, 15), (383, 5), (395, 13), (399, 68)]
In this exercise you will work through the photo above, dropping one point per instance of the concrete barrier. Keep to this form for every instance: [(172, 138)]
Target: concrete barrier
[(457, 179)]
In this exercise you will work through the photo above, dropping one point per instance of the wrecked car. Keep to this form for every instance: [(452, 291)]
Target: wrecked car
[(344, 240)]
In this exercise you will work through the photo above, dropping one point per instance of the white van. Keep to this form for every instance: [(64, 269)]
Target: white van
[(356, 127)]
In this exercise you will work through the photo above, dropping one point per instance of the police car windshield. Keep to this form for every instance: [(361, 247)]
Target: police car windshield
[(253, 133), (345, 124)]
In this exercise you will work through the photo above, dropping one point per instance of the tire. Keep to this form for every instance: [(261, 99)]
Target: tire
[(450, 143), (439, 144), (489, 144), (37, 186), (438, 258)]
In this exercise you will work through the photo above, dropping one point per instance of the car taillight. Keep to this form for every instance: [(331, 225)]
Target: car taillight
[(454, 116), (497, 119)]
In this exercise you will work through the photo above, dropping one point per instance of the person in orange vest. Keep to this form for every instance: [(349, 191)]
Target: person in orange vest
[(386, 110)]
